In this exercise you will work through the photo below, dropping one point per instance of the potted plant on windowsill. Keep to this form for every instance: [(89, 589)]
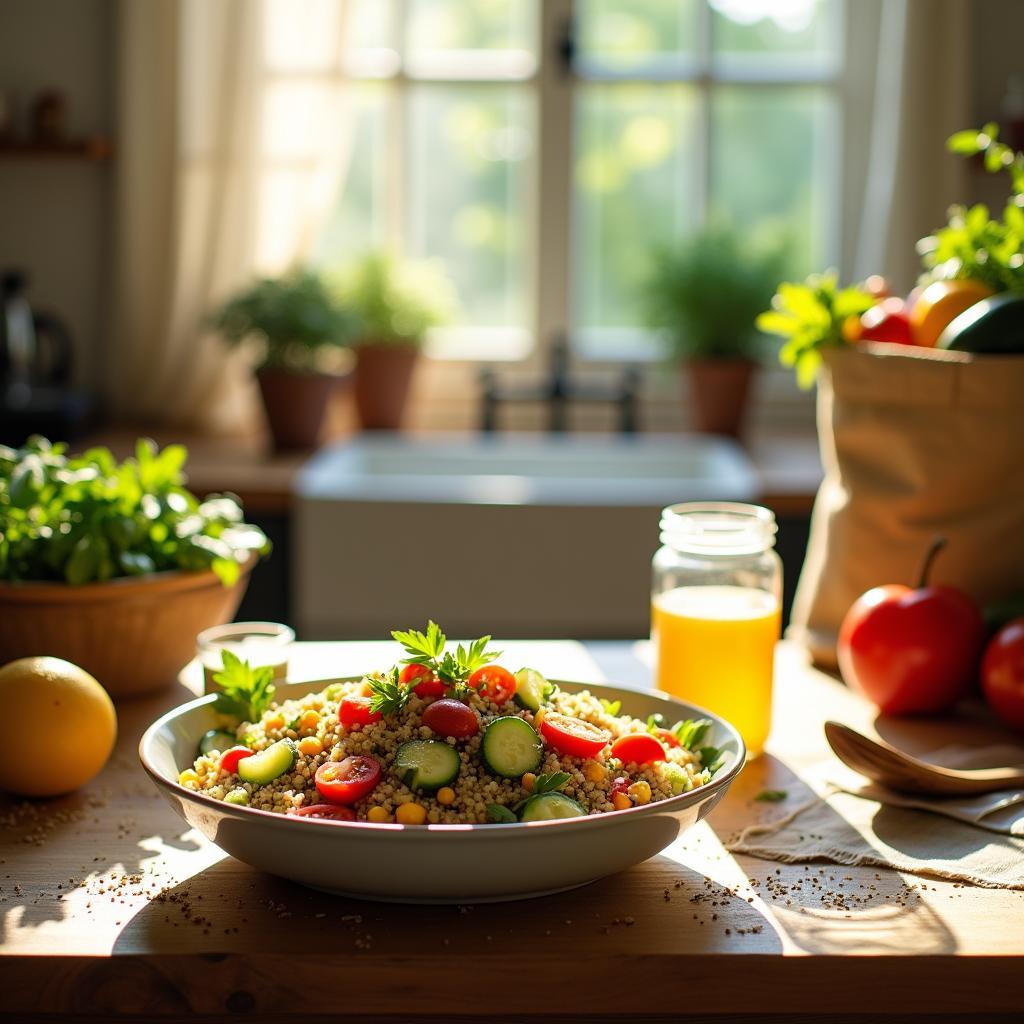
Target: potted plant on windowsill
[(395, 303), (115, 567), (702, 297), (301, 333)]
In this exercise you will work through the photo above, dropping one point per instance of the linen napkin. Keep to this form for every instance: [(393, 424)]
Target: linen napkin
[(848, 820)]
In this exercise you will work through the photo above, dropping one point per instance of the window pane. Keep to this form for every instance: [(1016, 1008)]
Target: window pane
[(635, 186), (471, 38), (630, 35), (359, 220), (771, 165), (788, 36), (469, 203)]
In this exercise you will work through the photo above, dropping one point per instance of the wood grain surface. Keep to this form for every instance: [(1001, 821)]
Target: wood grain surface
[(112, 909)]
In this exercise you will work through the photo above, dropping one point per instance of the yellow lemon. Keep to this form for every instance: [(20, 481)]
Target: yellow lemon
[(59, 727)]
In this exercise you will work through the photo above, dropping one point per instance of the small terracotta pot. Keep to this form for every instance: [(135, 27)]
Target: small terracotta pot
[(718, 390), (382, 379), (134, 634), (295, 404)]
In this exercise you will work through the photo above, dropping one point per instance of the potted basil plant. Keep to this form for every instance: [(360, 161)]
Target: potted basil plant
[(395, 303), (702, 296), (115, 566), (300, 331)]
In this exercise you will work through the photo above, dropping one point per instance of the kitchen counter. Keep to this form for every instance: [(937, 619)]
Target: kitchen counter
[(112, 909), (787, 465)]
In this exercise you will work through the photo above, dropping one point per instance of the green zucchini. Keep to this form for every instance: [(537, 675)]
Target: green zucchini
[(549, 806), (269, 764), (532, 689), (216, 739), (511, 747), (426, 765), (994, 326)]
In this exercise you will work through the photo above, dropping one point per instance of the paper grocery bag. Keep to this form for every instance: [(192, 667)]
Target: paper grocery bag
[(915, 442)]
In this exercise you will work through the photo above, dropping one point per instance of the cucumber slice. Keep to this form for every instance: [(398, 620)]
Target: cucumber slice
[(426, 765), (268, 764), (548, 806), (532, 689), (217, 739), (511, 746)]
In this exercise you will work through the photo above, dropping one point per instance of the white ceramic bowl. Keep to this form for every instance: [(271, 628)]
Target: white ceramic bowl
[(454, 863)]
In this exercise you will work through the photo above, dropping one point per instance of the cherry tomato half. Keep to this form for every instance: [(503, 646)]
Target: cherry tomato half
[(230, 758), (449, 717), (667, 738), (497, 684), (428, 686), (572, 735), (638, 748), (356, 711), (346, 781), (327, 812)]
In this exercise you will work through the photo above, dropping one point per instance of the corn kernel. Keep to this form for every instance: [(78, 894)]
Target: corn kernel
[(309, 721), (594, 772), (620, 801), (188, 778), (411, 814), (640, 792), (310, 746), (538, 717), (528, 781), (273, 723), (378, 815), (446, 796)]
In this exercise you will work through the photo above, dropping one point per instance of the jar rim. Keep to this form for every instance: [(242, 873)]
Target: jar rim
[(718, 527)]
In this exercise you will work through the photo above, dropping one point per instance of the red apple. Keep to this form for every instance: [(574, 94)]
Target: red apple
[(887, 321), (911, 651), (1002, 673)]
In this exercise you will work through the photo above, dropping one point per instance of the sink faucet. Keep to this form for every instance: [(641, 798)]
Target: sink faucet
[(558, 389)]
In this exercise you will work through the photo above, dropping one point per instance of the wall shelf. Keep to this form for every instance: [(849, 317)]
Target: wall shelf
[(94, 149)]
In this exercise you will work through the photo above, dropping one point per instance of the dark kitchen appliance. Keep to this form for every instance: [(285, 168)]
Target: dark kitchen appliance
[(35, 370)]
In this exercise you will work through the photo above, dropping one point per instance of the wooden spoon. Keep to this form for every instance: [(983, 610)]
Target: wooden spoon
[(892, 768)]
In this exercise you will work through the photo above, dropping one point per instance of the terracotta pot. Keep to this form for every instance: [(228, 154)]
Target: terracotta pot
[(718, 390), (382, 379), (296, 404), (134, 634)]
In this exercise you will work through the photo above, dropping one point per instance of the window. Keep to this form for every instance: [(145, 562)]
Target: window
[(540, 149)]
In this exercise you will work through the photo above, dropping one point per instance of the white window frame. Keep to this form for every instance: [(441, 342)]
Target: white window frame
[(456, 351)]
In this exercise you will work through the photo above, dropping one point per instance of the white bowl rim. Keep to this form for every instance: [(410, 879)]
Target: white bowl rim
[(521, 828)]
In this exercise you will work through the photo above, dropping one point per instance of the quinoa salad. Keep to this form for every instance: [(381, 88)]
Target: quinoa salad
[(442, 737)]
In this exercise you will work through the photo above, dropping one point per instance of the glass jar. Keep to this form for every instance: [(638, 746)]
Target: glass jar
[(716, 611), (259, 643)]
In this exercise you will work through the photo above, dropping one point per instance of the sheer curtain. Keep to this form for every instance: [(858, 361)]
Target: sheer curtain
[(232, 146), (921, 96)]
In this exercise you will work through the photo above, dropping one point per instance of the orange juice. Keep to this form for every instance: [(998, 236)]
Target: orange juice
[(714, 646)]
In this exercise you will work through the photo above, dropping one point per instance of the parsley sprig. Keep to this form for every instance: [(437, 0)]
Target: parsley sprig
[(246, 692), (452, 667), (387, 695), (688, 732)]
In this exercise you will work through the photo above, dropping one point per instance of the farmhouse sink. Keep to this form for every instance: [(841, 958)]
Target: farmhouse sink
[(528, 535)]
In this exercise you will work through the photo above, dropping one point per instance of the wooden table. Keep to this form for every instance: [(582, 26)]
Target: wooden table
[(694, 933)]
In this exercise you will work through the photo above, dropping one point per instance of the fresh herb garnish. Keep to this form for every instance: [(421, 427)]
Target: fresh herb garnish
[(550, 782), (452, 668), (387, 695), (611, 707), (246, 692), (771, 796), (711, 758), (655, 721), (498, 814), (691, 732)]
